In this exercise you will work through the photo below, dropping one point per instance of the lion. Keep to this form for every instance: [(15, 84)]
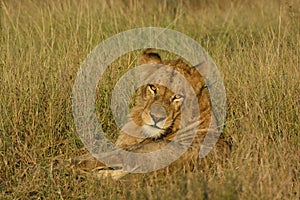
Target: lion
[(156, 120)]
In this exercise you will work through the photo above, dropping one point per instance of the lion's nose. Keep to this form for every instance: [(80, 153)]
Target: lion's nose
[(158, 113), (157, 119)]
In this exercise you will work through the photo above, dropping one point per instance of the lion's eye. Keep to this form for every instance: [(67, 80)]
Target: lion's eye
[(152, 88), (177, 97)]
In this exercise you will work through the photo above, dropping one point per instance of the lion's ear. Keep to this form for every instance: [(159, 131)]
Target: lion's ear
[(203, 68), (150, 56)]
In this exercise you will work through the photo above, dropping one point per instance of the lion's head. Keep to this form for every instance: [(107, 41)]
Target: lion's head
[(174, 97), (158, 107), (158, 111)]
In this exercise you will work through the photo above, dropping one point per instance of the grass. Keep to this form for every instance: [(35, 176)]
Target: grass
[(256, 45)]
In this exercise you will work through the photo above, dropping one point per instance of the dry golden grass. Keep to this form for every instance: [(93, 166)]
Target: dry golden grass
[(256, 45)]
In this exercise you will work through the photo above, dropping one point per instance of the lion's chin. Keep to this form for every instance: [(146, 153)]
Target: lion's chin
[(152, 131)]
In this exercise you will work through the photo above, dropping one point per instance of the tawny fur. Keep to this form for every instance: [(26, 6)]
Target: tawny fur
[(140, 115)]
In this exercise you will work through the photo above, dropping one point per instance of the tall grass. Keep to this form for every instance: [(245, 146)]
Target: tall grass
[(256, 45)]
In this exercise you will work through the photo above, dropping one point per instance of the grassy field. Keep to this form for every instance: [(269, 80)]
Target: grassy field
[(255, 44)]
